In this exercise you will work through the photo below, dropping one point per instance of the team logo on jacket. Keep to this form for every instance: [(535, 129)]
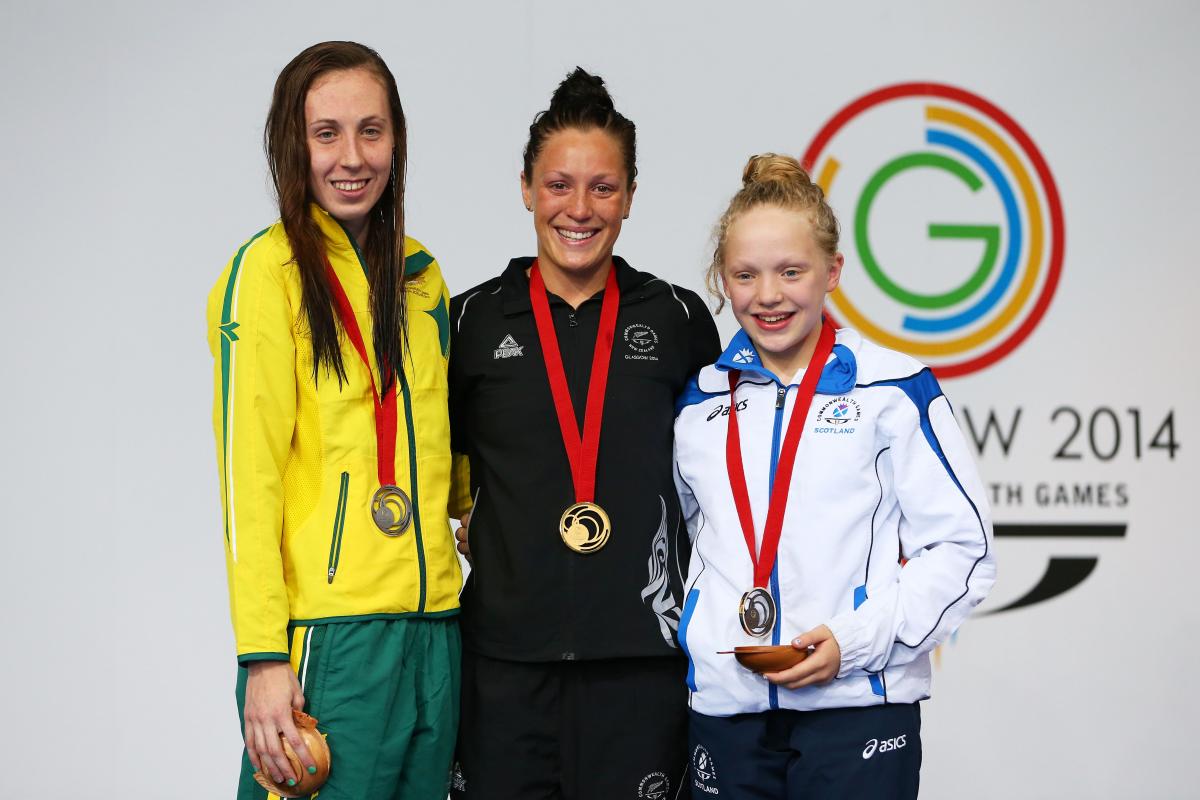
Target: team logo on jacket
[(840, 410), (704, 774), (641, 338), (413, 284), (508, 348), (745, 356), (654, 786)]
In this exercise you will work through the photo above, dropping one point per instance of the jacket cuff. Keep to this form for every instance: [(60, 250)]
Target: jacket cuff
[(848, 630), (249, 658)]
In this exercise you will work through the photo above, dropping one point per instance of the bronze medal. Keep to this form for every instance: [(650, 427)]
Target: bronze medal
[(391, 510), (584, 527), (756, 612)]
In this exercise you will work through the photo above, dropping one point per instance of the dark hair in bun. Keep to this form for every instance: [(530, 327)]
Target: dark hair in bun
[(582, 102)]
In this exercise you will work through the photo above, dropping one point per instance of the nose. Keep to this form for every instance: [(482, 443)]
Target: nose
[(767, 290), (580, 206), (351, 155)]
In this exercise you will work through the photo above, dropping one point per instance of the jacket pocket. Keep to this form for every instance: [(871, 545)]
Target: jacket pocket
[(339, 525)]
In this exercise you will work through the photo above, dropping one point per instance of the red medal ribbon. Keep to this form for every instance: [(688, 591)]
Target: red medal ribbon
[(581, 454), (385, 409), (764, 560)]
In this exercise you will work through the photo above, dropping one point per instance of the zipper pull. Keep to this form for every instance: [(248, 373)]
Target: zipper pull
[(780, 396), (574, 323), (331, 571)]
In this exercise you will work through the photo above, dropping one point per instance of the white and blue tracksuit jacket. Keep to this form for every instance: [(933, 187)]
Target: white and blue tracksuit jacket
[(883, 475)]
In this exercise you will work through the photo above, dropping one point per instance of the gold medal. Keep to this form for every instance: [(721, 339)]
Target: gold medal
[(756, 612), (584, 527), (391, 510)]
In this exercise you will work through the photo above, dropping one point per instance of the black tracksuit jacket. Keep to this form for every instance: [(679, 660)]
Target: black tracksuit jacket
[(530, 598)]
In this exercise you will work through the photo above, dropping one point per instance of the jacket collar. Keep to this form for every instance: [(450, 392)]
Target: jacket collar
[(339, 244), (514, 284), (838, 376)]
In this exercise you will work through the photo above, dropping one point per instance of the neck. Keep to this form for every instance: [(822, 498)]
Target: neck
[(357, 231), (572, 286), (785, 366)]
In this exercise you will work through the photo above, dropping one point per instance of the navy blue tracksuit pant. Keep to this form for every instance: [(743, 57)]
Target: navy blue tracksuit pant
[(861, 753)]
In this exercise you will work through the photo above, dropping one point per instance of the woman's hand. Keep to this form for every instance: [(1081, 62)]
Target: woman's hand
[(464, 546), (272, 691), (821, 666)]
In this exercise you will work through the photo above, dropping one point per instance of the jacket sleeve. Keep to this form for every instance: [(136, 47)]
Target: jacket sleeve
[(945, 533), (254, 413), (689, 508)]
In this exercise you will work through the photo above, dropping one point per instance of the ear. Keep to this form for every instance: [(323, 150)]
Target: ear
[(725, 285), (629, 198), (835, 272), (526, 193)]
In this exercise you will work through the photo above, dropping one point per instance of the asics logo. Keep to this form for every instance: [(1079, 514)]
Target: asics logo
[(884, 745)]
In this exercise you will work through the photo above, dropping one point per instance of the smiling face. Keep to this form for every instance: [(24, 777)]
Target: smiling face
[(579, 193), (350, 143), (776, 279)]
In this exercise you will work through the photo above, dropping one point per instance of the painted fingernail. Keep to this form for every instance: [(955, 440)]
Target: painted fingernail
[(312, 770), (291, 781)]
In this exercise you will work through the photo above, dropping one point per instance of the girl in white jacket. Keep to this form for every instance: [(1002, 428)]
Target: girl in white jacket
[(832, 504)]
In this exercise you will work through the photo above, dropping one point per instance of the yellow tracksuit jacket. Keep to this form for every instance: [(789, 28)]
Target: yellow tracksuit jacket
[(297, 457)]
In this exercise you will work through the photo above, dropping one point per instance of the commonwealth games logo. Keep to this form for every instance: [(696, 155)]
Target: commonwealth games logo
[(952, 226)]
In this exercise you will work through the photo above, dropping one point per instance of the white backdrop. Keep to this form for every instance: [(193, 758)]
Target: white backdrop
[(134, 168)]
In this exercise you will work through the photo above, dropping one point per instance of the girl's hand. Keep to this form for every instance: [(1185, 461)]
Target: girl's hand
[(464, 546), (272, 691), (821, 666)]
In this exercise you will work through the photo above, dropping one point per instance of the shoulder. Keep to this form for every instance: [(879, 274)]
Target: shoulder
[(877, 365), (424, 286), (477, 303), (418, 259), (266, 251), (685, 303), (264, 258), (706, 384), (889, 370)]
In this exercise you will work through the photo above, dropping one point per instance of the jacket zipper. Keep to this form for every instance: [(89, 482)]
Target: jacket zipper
[(776, 441), (339, 525)]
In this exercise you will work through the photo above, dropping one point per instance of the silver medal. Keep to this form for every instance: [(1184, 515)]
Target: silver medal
[(392, 510)]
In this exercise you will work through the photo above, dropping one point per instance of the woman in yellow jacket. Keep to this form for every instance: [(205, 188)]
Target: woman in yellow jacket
[(329, 332)]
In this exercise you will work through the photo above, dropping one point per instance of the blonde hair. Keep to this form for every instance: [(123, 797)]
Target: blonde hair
[(774, 180)]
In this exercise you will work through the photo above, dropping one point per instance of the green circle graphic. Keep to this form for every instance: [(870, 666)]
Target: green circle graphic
[(988, 234)]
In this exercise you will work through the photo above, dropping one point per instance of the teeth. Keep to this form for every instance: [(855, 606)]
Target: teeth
[(773, 317), (577, 236), (349, 186)]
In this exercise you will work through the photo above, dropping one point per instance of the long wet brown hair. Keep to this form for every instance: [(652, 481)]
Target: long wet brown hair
[(285, 141)]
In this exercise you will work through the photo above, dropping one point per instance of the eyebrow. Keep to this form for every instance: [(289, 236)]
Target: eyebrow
[(374, 118), (605, 177)]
